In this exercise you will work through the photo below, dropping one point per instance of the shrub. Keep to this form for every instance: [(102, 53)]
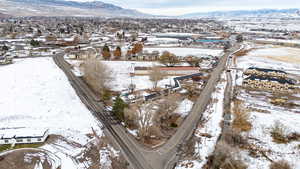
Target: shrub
[(174, 125), (225, 157), (234, 138), (278, 133), (282, 164), (241, 119), (34, 43), (293, 136), (106, 95)]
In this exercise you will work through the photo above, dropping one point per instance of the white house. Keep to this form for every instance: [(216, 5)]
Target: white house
[(23, 136)]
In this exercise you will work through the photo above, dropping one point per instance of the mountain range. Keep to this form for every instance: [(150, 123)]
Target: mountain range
[(101, 9), (246, 13), (65, 8)]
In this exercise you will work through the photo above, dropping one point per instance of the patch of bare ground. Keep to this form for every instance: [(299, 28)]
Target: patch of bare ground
[(25, 159), (291, 56), (188, 152), (91, 155), (241, 53), (53, 139)]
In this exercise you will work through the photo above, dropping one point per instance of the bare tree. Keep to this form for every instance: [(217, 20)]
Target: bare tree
[(193, 60), (96, 74), (155, 76), (145, 116), (166, 107), (130, 116)]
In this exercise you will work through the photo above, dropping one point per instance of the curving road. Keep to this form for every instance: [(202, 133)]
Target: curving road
[(139, 157)]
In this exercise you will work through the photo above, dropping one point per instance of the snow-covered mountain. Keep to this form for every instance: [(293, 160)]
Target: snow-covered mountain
[(64, 8), (247, 13)]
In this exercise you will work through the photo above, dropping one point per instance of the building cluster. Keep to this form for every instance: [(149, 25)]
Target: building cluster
[(47, 36), (268, 79)]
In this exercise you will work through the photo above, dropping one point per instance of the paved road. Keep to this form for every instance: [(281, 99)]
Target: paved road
[(139, 157), (132, 153)]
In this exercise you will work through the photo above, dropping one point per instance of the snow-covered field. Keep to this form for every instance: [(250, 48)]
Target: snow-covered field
[(35, 93), (162, 40), (213, 117), (184, 107), (188, 51), (256, 101), (280, 40), (280, 58), (275, 24), (261, 131), (121, 75)]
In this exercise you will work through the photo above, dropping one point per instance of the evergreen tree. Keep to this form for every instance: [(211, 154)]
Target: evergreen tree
[(5, 48), (34, 43), (106, 52), (118, 53), (239, 38), (118, 108)]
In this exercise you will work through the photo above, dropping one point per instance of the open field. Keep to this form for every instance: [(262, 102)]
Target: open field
[(284, 54), (36, 94), (187, 51), (263, 146)]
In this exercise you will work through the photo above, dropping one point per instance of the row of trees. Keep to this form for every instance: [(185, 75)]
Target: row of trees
[(170, 59), (166, 58), (106, 53), (117, 53)]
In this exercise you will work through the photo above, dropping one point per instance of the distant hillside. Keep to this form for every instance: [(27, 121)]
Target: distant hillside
[(247, 13), (64, 8), (4, 15)]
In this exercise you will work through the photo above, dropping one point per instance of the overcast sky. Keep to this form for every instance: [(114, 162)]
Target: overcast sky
[(178, 7)]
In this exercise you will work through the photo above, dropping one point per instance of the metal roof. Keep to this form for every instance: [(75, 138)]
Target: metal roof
[(22, 133)]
